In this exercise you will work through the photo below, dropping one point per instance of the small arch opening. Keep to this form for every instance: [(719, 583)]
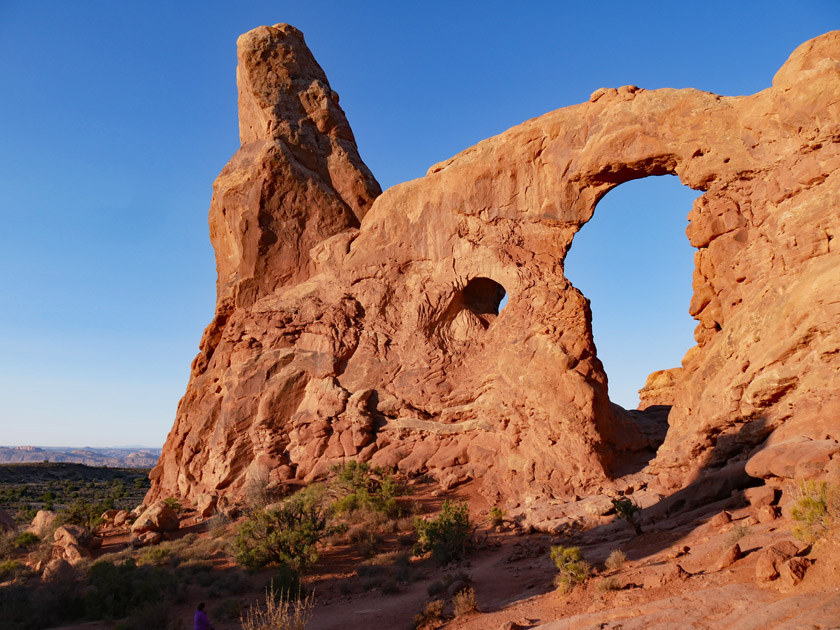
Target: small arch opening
[(470, 313), (484, 297)]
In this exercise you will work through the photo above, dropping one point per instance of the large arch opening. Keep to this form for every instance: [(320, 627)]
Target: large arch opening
[(634, 263)]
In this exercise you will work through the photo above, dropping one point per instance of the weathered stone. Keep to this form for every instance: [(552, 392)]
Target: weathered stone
[(351, 324), (72, 534), (121, 518), (43, 523), (794, 459), (205, 505), (772, 558), (729, 557), (149, 538), (761, 496), (792, 571), (660, 388), (720, 519), (58, 570), (158, 518), (74, 553), (664, 575), (768, 514)]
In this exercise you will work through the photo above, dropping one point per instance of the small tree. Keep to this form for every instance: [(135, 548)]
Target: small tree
[(572, 569), (630, 511), (446, 535), (288, 534)]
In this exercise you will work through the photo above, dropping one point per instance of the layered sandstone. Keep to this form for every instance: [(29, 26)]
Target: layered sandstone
[(354, 325)]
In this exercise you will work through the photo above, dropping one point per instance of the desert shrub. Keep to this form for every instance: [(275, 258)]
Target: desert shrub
[(26, 539), (497, 516), (616, 560), (12, 569), (735, 534), (359, 487), (390, 587), (464, 602), (572, 569), (118, 590), (217, 525), (7, 543), (155, 555), (173, 503), (609, 584), (288, 534), (445, 535), (432, 612), (84, 513), (32, 607), (816, 510), (279, 613), (627, 509), (435, 588), (286, 581)]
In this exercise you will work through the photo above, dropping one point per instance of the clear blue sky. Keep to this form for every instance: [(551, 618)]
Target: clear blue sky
[(115, 117)]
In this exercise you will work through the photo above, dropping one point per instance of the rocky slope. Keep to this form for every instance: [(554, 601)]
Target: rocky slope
[(354, 324)]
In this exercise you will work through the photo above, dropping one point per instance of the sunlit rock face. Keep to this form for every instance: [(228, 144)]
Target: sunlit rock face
[(357, 325)]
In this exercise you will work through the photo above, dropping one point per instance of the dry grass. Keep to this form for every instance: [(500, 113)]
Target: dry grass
[(616, 560), (432, 613), (279, 613), (464, 602)]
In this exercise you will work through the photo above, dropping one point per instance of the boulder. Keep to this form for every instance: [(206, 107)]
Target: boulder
[(794, 459), (43, 523), (661, 576), (761, 496), (205, 505), (72, 534), (792, 571), (159, 517), (729, 557), (58, 570), (121, 518)]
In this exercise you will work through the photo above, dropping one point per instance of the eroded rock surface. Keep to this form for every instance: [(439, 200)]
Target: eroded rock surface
[(357, 325)]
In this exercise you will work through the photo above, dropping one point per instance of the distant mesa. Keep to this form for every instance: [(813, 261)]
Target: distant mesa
[(112, 457), (355, 324)]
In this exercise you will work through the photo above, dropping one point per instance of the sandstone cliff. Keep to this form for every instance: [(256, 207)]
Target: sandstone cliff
[(354, 324)]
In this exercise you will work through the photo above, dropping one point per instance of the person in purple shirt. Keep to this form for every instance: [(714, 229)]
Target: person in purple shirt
[(201, 622)]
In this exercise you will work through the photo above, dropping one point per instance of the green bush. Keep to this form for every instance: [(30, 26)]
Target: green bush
[(361, 488), (288, 534), (173, 503), (630, 511), (26, 539), (118, 590), (497, 516), (572, 569), (446, 535), (83, 513), (11, 569), (817, 510)]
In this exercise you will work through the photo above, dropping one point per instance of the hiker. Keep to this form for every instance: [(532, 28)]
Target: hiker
[(201, 621)]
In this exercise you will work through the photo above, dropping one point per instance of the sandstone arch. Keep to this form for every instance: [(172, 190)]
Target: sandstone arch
[(323, 346)]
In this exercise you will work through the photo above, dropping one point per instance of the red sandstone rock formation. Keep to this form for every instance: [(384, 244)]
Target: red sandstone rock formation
[(348, 328)]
